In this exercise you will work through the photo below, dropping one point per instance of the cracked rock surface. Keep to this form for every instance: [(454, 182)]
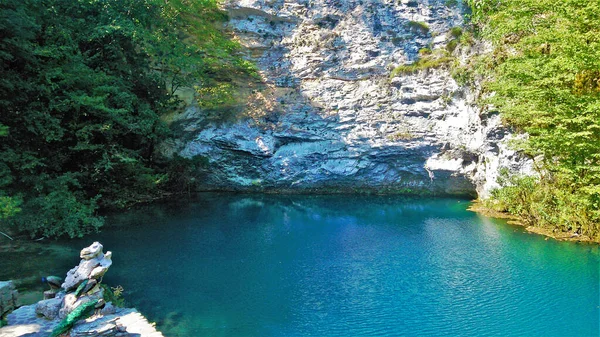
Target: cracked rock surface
[(329, 117)]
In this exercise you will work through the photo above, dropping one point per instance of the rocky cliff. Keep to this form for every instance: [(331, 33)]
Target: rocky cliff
[(327, 115)]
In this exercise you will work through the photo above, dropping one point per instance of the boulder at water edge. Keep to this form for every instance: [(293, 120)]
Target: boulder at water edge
[(8, 297)]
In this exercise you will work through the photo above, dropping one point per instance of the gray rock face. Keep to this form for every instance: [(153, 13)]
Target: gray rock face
[(25, 322), (8, 297), (48, 308), (70, 302), (330, 117)]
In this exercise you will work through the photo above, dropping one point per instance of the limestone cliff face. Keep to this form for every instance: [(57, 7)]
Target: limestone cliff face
[(330, 117)]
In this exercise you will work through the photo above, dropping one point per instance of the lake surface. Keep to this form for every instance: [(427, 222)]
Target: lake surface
[(256, 265)]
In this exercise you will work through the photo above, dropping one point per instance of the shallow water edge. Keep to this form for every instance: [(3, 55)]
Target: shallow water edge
[(478, 207)]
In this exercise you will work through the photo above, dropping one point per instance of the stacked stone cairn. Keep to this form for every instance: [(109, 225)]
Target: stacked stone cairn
[(82, 284), (67, 304)]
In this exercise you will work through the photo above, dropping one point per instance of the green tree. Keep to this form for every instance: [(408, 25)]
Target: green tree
[(83, 85), (545, 73), (8, 206)]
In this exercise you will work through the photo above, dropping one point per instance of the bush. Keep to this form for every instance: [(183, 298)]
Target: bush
[(9, 207), (58, 211), (429, 62), (420, 27), (425, 51), (543, 73), (185, 173), (84, 85), (456, 32), (467, 38), (451, 45), (113, 295), (463, 75), (548, 201)]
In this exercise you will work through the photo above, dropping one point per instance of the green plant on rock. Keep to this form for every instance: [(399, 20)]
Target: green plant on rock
[(428, 62), (456, 32), (401, 135), (466, 38), (425, 51), (446, 99), (418, 26), (215, 96), (114, 295), (462, 74), (451, 45)]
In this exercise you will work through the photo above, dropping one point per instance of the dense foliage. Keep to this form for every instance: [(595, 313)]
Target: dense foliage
[(83, 85), (545, 75)]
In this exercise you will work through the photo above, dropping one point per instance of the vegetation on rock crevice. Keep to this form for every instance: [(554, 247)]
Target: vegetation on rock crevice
[(83, 86), (544, 71), (420, 27), (427, 60)]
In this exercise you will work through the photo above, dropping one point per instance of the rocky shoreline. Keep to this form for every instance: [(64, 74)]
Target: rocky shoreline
[(79, 306), (123, 322)]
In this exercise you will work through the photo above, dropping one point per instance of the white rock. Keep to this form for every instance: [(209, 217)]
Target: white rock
[(342, 119), (92, 251)]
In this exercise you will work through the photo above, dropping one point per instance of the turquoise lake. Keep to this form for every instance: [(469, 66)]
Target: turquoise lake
[(273, 265)]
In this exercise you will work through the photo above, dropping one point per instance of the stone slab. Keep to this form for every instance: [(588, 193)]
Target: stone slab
[(124, 322), (8, 297), (24, 322)]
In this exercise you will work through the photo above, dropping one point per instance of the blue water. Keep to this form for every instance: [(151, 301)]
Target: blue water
[(252, 265)]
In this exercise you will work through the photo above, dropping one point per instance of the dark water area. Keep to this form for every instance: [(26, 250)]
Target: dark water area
[(273, 265)]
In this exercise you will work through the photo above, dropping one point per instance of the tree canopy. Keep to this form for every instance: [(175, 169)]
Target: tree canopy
[(83, 85), (544, 72)]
